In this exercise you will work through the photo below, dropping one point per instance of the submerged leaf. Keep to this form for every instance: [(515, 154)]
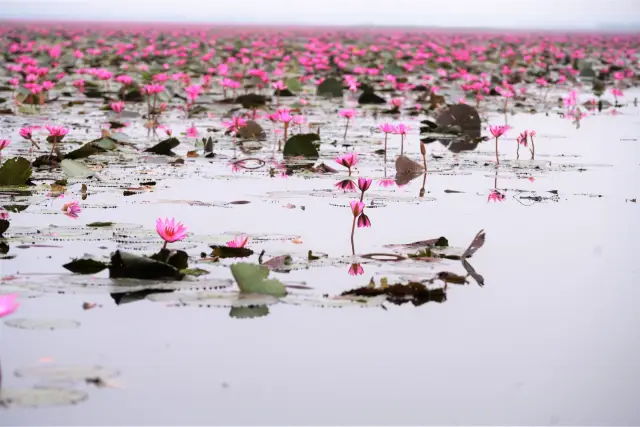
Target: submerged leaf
[(252, 279), (15, 171)]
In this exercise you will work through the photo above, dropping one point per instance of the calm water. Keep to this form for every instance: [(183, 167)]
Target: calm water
[(550, 339)]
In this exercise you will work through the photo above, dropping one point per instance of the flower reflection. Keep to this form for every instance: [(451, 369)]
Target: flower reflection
[(346, 185), (356, 270)]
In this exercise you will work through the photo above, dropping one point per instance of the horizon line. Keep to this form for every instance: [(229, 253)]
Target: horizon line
[(601, 28)]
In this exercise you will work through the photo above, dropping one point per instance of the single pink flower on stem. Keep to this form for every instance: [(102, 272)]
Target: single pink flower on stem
[(349, 115), (364, 184), (402, 130), (238, 241), (284, 116), (521, 140), (234, 125), (348, 160), (278, 86), (72, 209), (497, 131), (117, 107), (396, 103), (387, 128), (356, 270), (8, 304), (356, 207), (57, 133), (4, 143), (495, 196), (4, 214), (170, 231), (532, 133)]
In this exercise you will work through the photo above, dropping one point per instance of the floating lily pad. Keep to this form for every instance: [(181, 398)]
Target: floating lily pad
[(50, 324), (223, 251), (15, 171), (164, 147), (302, 145), (74, 169), (330, 87), (127, 265), (54, 373), (252, 279), (40, 397), (85, 266)]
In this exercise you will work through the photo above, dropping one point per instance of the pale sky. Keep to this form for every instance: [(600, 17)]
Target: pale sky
[(542, 14)]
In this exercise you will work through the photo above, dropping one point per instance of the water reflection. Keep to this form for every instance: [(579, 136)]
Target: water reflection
[(457, 127)]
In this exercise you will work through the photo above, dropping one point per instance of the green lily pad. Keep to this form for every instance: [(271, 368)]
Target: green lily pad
[(252, 279), (293, 84), (75, 169), (302, 145), (40, 397), (196, 272), (330, 88), (15, 171), (100, 224)]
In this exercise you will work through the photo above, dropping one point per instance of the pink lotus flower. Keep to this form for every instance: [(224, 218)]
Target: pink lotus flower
[(397, 102), (169, 231), (402, 130), (238, 241), (4, 143), (193, 92), (364, 184), (57, 132), (497, 131), (387, 128), (495, 196), (192, 132), (8, 304), (348, 160), (153, 89), (4, 214), (124, 79), (356, 207), (279, 85), (356, 270), (347, 114), (72, 209), (117, 107)]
